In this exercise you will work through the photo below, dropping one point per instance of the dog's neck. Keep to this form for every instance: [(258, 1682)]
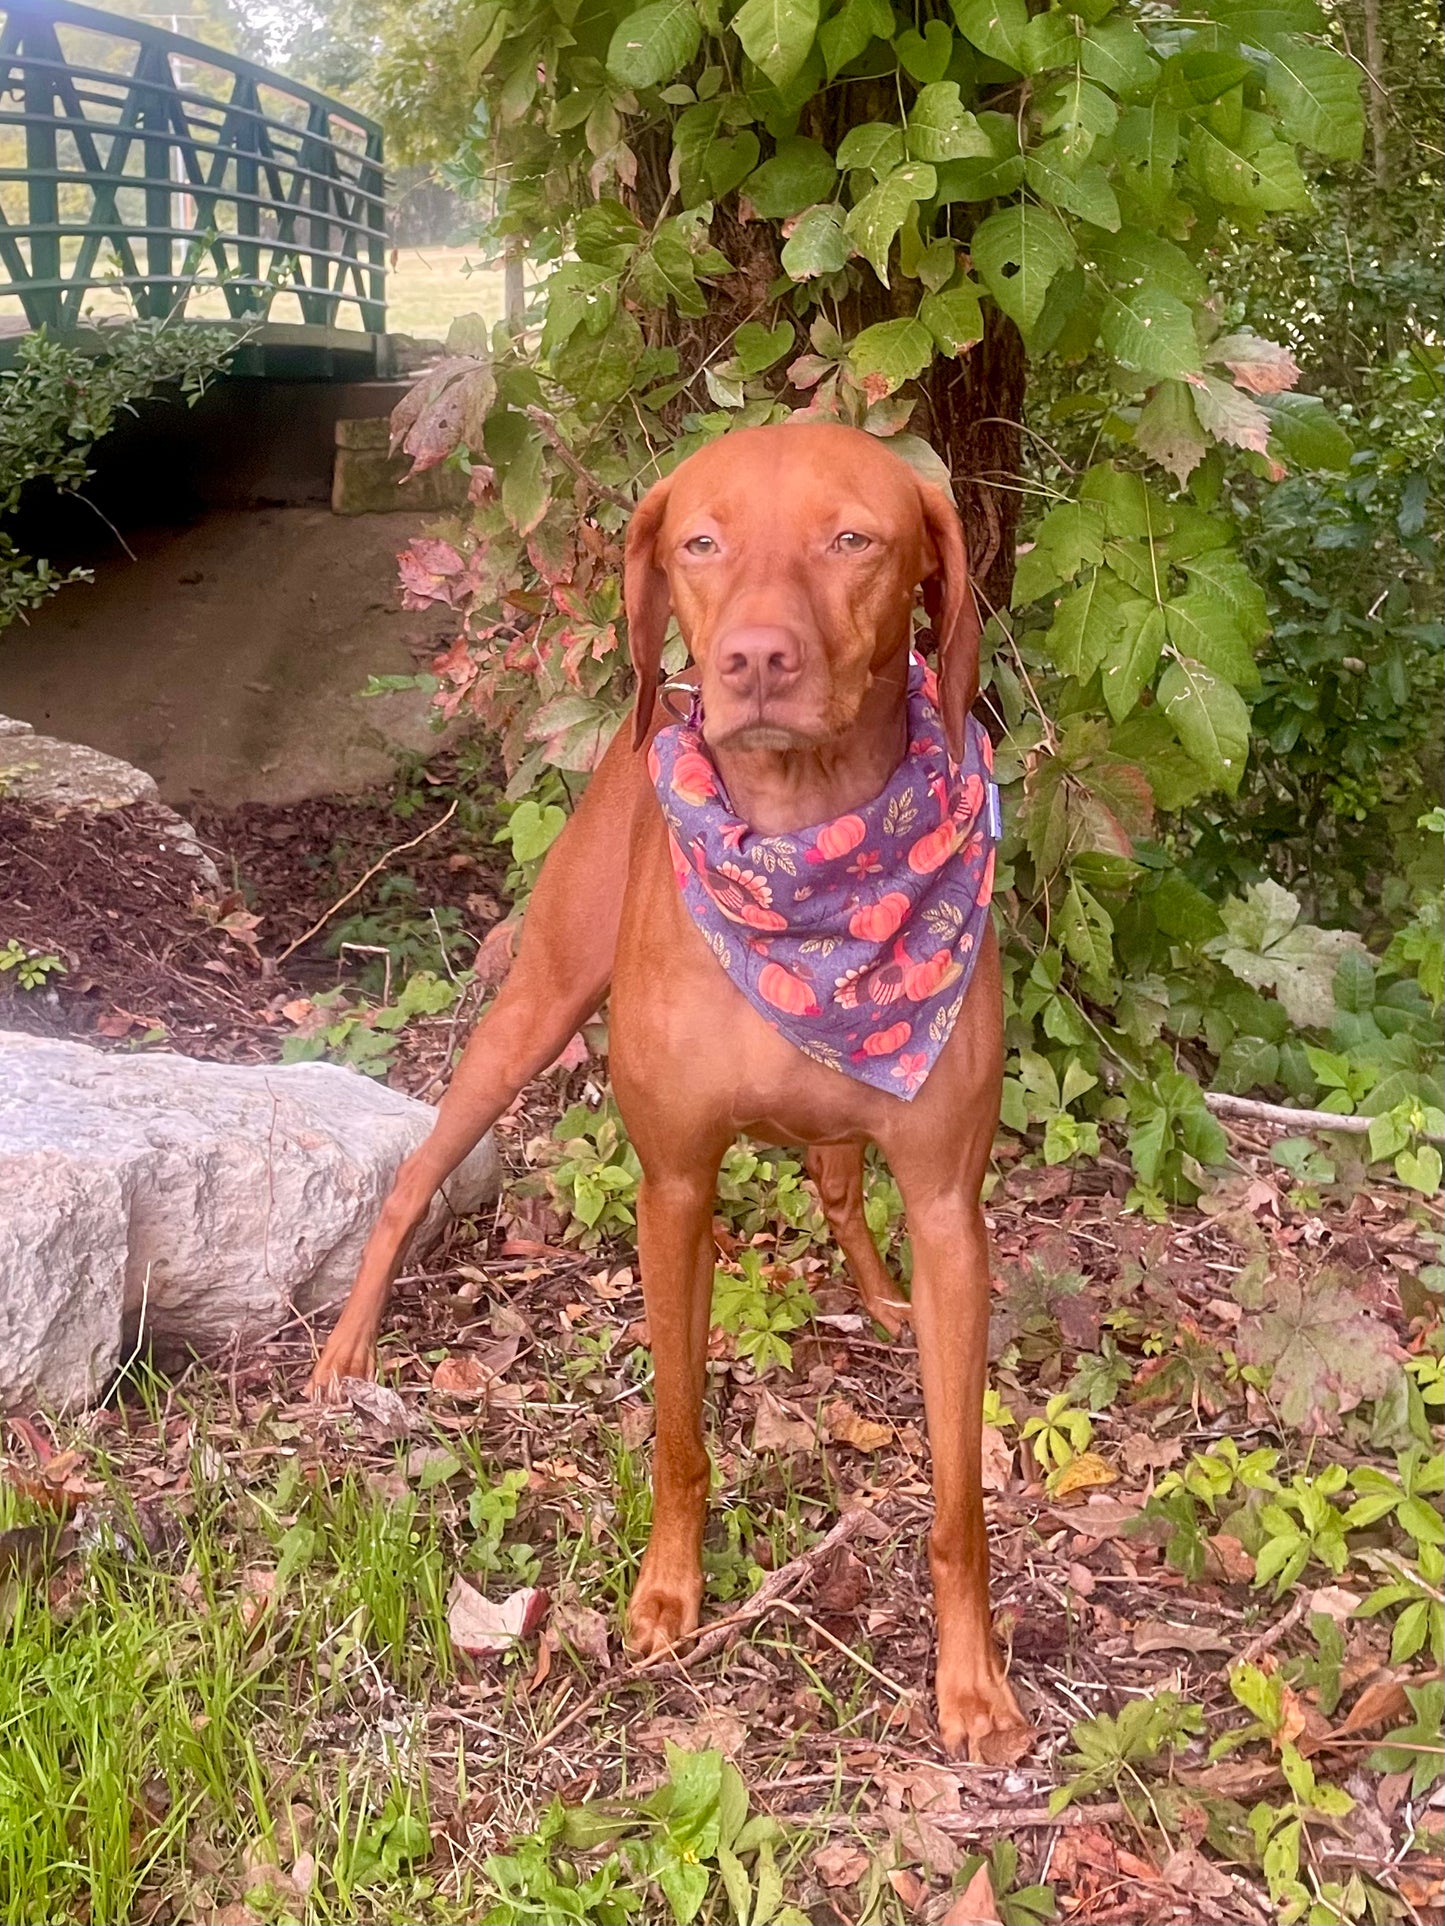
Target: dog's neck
[(777, 790)]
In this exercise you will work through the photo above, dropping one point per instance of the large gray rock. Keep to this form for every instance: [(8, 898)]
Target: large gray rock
[(57, 777), (187, 1204)]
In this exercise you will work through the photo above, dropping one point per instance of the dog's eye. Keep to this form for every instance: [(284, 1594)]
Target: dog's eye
[(701, 545), (851, 542)]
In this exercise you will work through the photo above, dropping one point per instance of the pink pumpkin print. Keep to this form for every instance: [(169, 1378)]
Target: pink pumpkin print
[(926, 979), (785, 991), (878, 921), (693, 778), (883, 1043), (933, 849), (837, 838)]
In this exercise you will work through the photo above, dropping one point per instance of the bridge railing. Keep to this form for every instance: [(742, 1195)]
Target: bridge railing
[(136, 160)]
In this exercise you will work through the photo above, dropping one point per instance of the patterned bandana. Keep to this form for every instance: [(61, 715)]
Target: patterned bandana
[(855, 939)]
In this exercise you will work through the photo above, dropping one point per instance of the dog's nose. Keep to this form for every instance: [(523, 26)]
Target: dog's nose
[(760, 662)]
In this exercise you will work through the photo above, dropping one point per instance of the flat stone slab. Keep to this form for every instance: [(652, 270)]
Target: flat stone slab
[(185, 1206)]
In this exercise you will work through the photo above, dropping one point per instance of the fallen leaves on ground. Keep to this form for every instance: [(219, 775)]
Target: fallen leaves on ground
[(482, 1629)]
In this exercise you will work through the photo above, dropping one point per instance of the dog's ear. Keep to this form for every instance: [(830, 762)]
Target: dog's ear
[(952, 612), (648, 603)]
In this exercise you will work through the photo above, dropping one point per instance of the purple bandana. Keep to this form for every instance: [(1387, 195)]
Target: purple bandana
[(855, 939)]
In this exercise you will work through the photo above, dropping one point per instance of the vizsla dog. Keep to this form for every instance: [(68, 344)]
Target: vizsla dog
[(791, 556)]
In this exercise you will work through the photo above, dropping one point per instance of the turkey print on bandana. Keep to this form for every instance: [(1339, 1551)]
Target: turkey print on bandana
[(856, 938)]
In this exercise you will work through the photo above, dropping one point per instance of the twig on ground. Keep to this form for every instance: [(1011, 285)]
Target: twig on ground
[(1285, 1118), (1272, 1634), (376, 868), (707, 1639)]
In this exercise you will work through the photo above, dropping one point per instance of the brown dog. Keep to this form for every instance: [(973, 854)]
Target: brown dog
[(791, 556)]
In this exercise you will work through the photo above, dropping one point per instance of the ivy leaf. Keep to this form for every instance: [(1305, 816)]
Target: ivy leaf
[(525, 488), (654, 44), (1259, 173), (1306, 434), (886, 355), (1228, 415), (777, 35), (817, 244), (1168, 430), (996, 27), (1018, 251), (1325, 1351), (1049, 40), (1150, 330), (756, 347), (924, 57), (1200, 627), (1086, 932), (851, 31), (1316, 94), (940, 128), (953, 318), (878, 216), (1209, 716), (799, 173), (1118, 56), (704, 164), (1086, 193), (1266, 946), (1131, 257), (1263, 367), (1086, 624), (1130, 663), (876, 145)]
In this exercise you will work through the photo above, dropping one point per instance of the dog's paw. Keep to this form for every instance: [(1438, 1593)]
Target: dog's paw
[(665, 1608), (344, 1357), (982, 1720)]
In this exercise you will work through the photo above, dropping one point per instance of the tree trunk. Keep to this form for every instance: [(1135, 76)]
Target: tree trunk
[(1375, 102)]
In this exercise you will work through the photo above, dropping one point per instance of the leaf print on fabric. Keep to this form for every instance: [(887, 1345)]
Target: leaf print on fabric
[(896, 939)]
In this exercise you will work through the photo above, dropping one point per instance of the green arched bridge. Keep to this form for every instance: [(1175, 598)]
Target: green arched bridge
[(142, 172)]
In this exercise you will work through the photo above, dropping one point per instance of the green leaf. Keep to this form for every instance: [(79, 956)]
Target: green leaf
[(1199, 626), (851, 31), (1316, 94), (1306, 434), (1087, 625), (940, 128), (1420, 1169), (777, 35), (876, 219), (1168, 430), (953, 318), (525, 488), (1210, 719), (1086, 193), (1117, 55), (1229, 415), (1129, 665), (1049, 40), (1131, 257), (1018, 251), (817, 245), (996, 27), (924, 57), (1223, 577), (799, 173), (886, 355), (1152, 331), (1259, 174), (756, 347), (655, 43), (1085, 931), (876, 145)]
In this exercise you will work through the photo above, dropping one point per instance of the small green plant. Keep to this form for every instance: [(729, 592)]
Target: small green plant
[(365, 1035), (596, 1182), (1109, 1750), (690, 1837), (764, 1190), (32, 969), (1418, 1590), (1300, 1525), (757, 1304), (1017, 1905), (491, 1508), (1060, 1434)]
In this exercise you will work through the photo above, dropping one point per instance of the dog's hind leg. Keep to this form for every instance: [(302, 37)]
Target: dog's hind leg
[(562, 969), (837, 1170)]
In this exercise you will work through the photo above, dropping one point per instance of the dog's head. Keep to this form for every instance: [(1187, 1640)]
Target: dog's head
[(791, 555)]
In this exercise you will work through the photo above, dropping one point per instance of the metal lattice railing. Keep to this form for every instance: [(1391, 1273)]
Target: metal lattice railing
[(139, 167)]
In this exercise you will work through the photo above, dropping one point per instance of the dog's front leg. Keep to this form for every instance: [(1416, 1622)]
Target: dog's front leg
[(674, 1225), (950, 1315)]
